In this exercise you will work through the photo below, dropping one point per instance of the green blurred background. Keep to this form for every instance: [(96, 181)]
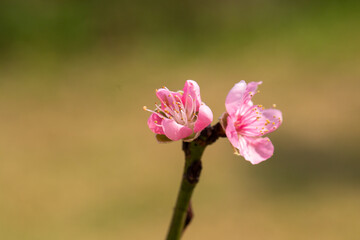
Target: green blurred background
[(77, 160)]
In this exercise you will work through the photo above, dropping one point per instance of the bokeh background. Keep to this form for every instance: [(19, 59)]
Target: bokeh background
[(77, 160)]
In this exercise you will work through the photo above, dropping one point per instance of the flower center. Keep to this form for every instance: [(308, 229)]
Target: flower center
[(173, 107)]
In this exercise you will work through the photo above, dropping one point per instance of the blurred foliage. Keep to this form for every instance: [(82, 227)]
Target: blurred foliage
[(189, 26)]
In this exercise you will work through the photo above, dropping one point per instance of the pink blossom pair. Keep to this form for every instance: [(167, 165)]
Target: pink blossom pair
[(182, 115)]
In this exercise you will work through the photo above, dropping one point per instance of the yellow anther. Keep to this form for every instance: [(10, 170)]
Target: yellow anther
[(267, 120), (156, 90), (155, 121), (274, 127), (145, 108), (257, 112), (274, 105), (260, 106), (274, 116), (273, 123), (258, 91), (262, 128)]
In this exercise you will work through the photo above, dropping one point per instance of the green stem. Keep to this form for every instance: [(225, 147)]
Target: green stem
[(193, 152)]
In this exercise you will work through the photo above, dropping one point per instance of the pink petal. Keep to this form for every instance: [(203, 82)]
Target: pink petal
[(274, 118), (175, 131), (240, 96), (168, 97), (255, 150), (191, 94), (269, 120), (154, 123), (205, 117), (231, 133)]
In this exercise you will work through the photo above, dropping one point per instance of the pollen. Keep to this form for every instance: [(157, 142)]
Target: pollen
[(267, 121), (273, 123), (274, 105), (260, 106), (144, 108)]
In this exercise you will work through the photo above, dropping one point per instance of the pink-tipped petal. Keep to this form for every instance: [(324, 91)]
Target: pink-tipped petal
[(231, 133), (175, 131), (240, 96), (255, 150), (168, 97), (273, 118), (154, 123), (191, 94), (234, 98), (205, 117)]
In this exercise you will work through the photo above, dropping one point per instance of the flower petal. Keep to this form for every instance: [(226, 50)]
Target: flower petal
[(255, 150), (191, 94), (240, 96), (231, 133), (205, 117), (168, 97), (273, 119), (175, 131), (259, 121), (154, 123)]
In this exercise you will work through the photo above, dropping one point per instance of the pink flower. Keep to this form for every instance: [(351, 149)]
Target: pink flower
[(245, 123), (181, 115)]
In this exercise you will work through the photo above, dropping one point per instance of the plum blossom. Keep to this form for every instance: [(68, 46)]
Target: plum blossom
[(245, 123), (180, 115)]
